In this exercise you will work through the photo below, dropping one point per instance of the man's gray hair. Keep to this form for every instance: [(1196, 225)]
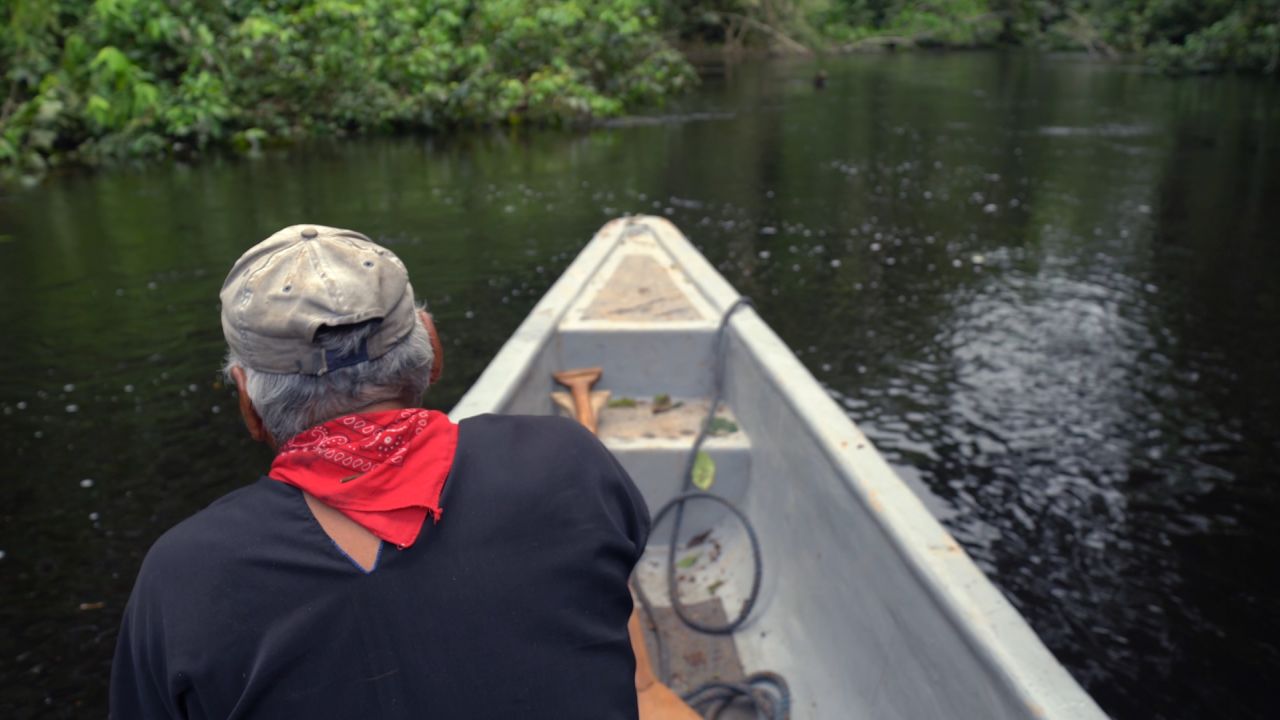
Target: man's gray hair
[(292, 403)]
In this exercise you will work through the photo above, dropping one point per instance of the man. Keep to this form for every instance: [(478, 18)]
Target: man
[(392, 564)]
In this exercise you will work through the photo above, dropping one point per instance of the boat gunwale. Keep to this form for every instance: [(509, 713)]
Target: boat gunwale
[(512, 363)]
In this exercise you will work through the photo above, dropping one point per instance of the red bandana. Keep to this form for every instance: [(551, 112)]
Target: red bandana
[(385, 470)]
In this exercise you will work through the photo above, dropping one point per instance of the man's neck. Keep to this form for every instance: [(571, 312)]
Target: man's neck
[(357, 542), (380, 407)]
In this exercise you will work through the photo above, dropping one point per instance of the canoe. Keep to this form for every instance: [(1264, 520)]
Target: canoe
[(866, 605)]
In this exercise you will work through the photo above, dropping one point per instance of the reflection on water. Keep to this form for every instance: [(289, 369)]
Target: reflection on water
[(1043, 287)]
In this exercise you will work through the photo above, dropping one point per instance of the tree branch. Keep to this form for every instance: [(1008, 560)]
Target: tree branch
[(907, 40), (1089, 36), (10, 104), (781, 37)]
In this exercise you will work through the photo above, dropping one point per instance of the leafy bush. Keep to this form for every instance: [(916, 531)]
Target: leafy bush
[(1199, 36), (90, 81), (1176, 35)]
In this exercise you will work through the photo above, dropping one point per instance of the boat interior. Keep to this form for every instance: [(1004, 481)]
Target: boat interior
[(644, 324), (867, 606)]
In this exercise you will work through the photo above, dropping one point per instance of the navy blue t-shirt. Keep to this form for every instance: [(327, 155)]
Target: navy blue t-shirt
[(514, 605)]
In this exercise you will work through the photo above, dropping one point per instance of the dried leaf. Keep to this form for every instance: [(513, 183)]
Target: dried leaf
[(698, 539), (704, 471), (665, 408)]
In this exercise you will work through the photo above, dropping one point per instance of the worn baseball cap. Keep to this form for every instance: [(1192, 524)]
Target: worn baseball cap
[(303, 278)]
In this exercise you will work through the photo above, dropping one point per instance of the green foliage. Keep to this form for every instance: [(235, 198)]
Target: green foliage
[(704, 471), (1175, 35), (962, 23), (1195, 35), (722, 426), (91, 81)]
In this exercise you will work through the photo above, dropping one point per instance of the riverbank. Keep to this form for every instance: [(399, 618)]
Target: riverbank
[(91, 84), (98, 83)]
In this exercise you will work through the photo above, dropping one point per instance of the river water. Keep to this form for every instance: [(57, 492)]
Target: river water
[(1044, 287)]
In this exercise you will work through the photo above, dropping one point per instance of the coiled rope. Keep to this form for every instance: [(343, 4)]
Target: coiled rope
[(767, 692)]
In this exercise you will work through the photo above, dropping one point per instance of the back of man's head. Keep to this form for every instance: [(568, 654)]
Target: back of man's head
[(323, 323)]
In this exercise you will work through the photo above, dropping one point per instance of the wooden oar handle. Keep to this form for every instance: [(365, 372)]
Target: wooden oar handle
[(579, 382)]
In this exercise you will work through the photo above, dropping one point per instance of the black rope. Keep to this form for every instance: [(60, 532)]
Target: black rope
[(677, 504), (686, 494), (766, 692)]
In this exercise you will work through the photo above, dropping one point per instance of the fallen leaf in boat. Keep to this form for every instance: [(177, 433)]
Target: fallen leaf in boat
[(704, 471), (687, 561), (722, 426), (622, 402)]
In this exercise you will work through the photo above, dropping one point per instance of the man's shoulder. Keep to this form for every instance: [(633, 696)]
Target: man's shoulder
[(546, 462), (531, 441), (204, 535), (552, 426)]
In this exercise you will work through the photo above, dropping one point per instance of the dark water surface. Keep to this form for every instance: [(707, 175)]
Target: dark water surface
[(1047, 289)]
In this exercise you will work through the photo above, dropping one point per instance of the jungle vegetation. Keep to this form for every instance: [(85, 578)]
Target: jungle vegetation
[(88, 81)]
